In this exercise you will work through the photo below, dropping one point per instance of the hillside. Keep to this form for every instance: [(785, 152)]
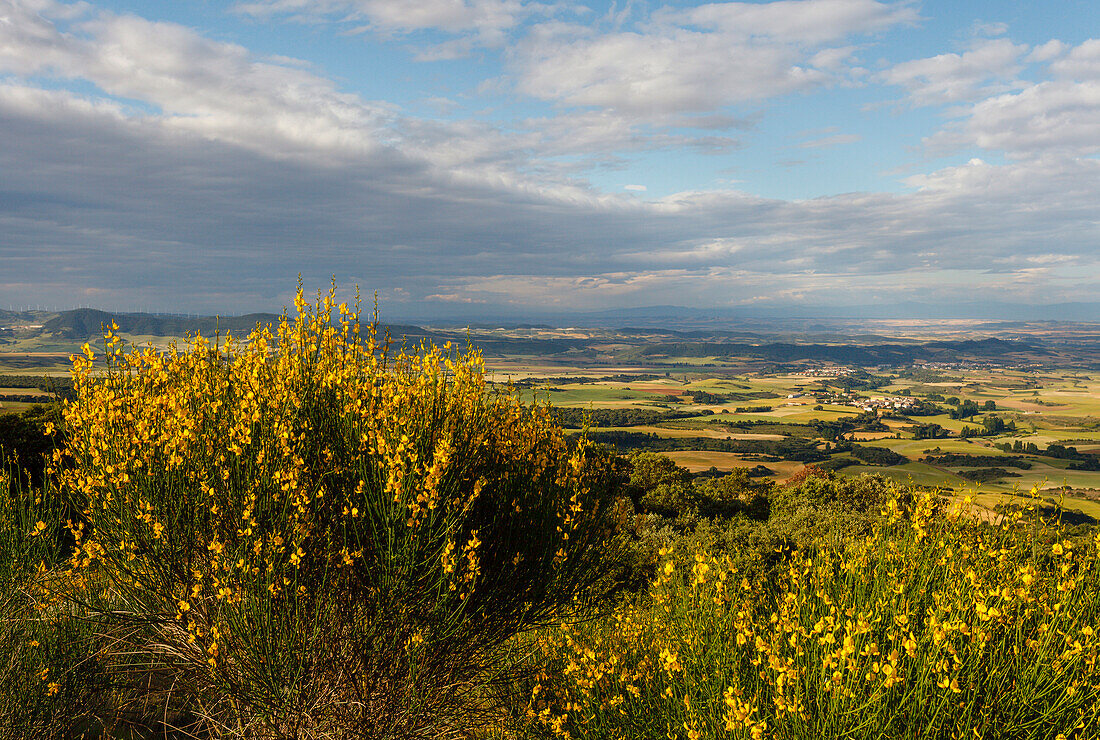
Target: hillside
[(868, 354), (88, 323)]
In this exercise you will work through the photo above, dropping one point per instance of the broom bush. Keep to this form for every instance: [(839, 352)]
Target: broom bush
[(302, 534), (936, 624)]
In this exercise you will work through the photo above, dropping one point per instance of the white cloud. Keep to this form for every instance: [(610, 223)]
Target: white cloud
[(447, 15), (1050, 118), (479, 22), (213, 89), (1081, 63), (827, 142), (987, 67), (836, 59), (221, 92), (636, 188), (794, 21), (989, 28), (654, 76), (700, 59), (29, 42), (1045, 52), (1053, 117), (602, 136)]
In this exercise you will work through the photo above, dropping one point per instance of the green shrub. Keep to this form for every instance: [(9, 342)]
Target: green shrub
[(52, 684), (24, 443)]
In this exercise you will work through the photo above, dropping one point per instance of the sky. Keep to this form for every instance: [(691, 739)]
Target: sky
[(517, 156)]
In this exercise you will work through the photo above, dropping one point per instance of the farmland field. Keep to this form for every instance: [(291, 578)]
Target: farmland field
[(1016, 418), (933, 419), (1069, 415)]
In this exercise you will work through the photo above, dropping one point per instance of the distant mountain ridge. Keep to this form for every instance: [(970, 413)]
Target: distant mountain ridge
[(671, 316), (1006, 311), (872, 354), (86, 323), (783, 345), (90, 322)]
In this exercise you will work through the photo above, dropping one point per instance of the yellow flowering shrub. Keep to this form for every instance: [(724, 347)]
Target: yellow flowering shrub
[(310, 533), (936, 625)]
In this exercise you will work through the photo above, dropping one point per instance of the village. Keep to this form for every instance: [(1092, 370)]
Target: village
[(888, 403)]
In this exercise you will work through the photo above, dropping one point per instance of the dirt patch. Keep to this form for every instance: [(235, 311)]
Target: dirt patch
[(872, 435), (708, 433), (663, 389)]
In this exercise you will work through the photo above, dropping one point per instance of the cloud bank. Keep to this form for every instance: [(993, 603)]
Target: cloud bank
[(145, 163)]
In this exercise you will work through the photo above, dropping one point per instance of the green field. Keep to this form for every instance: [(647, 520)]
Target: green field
[(1046, 407), (724, 461)]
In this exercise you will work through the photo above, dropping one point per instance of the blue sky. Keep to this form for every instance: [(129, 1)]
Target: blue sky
[(509, 155)]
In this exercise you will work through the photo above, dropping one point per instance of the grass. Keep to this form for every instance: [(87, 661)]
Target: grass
[(920, 474), (915, 448), (14, 407), (697, 461), (991, 500), (676, 432), (600, 396)]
